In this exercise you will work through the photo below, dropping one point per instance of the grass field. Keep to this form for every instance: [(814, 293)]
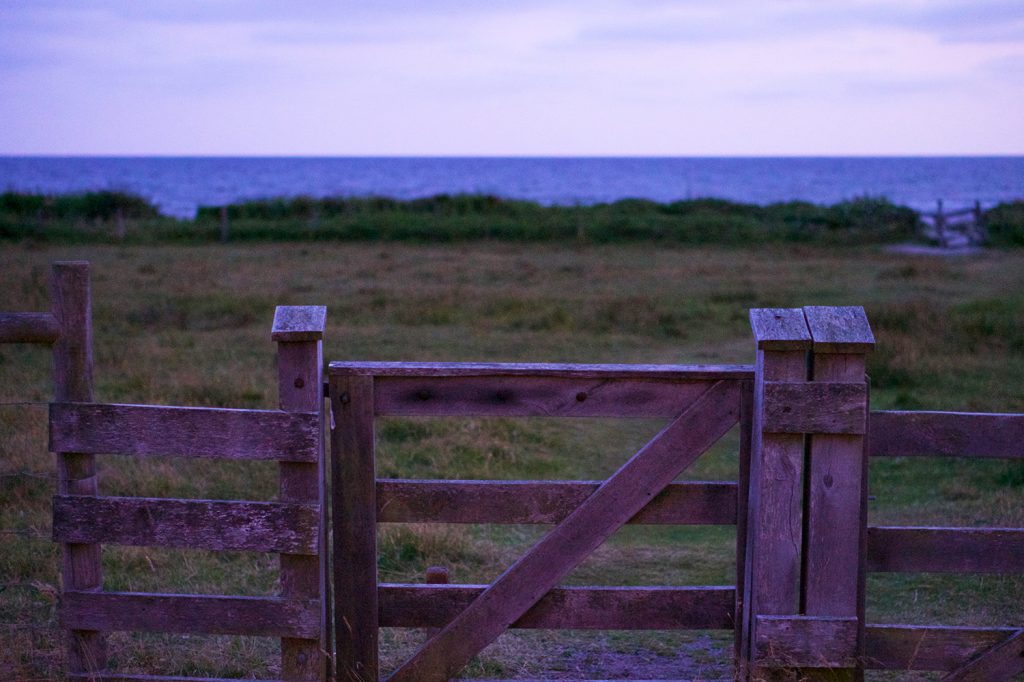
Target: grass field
[(191, 325)]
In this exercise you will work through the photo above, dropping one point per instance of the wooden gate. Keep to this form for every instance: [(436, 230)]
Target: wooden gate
[(703, 404)]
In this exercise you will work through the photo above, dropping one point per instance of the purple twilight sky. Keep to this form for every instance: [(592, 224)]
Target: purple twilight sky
[(563, 77)]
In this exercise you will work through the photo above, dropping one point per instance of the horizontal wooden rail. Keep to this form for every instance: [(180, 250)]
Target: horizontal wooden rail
[(945, 550), (483, 369), (187, 613), (927, 647), (534, 396), (414, 501), (121, 677), (29, 328), (814, 407), (184, 432), (577, 608), (946, 434), (194, 524), (806, 642)]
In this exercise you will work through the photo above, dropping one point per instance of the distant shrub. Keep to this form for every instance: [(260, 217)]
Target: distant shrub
[(1006, 224)]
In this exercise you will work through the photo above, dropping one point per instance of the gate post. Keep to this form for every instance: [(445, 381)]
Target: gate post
[(836, 489), (299, 332), (81, 569), (774, 511), (803, 607)]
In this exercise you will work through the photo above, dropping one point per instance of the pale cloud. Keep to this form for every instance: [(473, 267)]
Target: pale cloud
[(561, 77)]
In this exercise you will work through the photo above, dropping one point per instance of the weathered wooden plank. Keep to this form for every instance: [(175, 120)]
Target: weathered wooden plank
[(183, 431), (122, 677), (298, 331), (740, 654), (928, 647), (293, 323), (945, 550), (196, 524), (815, 407), (946, 434), (578, 371), (839, 329), (354, 517), (834, 488), (776, 513), (81, 564), (418, 501), (1000, 663), (212, 615), (806, 642), (779, 329), (548, 561), (530, 396), (576, 608), (29, 328)]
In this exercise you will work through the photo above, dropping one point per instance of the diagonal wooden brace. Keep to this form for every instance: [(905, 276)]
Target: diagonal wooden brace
[(1002, 662), (617, 500)]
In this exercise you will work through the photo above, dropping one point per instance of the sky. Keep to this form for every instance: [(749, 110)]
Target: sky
[(512, 78)]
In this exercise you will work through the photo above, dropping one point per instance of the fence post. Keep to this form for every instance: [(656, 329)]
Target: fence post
[(836, 478), (774, 511), (76, 473), (940, 223), (354, 521), (299, 332)]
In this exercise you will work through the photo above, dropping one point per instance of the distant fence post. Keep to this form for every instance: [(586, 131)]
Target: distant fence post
[(76, 473), (225, 225), (940, 223), (299, 331), (774, 510)]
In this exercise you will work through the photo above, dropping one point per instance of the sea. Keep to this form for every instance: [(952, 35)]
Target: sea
[(179, 185)]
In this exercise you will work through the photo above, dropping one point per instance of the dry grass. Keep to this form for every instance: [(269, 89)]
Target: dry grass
[(190, 325)]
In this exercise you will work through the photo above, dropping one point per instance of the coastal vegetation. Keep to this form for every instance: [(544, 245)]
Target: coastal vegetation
[(125, 218), (183, 324)]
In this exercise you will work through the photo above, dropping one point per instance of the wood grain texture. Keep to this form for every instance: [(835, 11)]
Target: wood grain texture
[(530, 396), (806, 642), (81, 564), (122, 677), (40, 328), (578, 371), (183, 432), (1001, 663), (623, 495), (214, 615), (195, 524), (354, 516), (417, 501), (298, 331), (839, 329), (740, 654), (946, 434), (576, 608), (945, 550), (774, 509), (834, 486), (299, 323), (815, 407), (928, 647), (780, 329)]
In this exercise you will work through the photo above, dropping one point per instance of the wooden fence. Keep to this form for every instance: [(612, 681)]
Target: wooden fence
[(804, 546), (955, 229)]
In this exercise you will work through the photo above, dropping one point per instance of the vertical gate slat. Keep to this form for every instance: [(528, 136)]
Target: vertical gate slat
[(298, 332), (835, 484), (76, 473), (774, 511), (354, 518)]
